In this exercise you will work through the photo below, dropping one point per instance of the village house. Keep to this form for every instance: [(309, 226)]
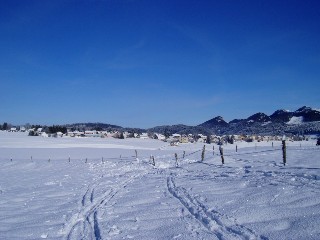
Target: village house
[(59, 134), (190, 138), (92, 133), (184, 139), (215, 139), (75, 134), (13, 129), (176, 136), (44, 134), (160, 136), (143, 136), (202, 138), (105, 134), (39, 131)]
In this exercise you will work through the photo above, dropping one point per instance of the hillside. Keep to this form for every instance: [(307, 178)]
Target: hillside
[(305, 120)]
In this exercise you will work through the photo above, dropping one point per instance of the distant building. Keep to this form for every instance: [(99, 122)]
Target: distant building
[(92, 133), (44, 134), (75, 134), (39, 131), (160, 136), (144, 136), (59, 134)]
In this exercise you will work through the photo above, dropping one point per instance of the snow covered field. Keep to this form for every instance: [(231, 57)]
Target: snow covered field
[(92, 188)]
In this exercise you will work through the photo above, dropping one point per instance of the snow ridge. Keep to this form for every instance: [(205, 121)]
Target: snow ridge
[(218, 224)]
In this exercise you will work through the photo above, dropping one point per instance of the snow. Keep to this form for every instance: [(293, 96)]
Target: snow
[(295, 120), (251, 196), (266, 123)]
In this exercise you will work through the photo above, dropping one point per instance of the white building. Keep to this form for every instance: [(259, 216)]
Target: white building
[(144, 136), (160, 136), (92, 133)]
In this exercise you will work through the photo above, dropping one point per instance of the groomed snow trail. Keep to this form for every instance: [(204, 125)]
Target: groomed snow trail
[(219, 225)]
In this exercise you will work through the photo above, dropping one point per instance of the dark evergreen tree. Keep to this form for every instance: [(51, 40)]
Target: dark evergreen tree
[(166, 133), (121, 136), (208, 139), (131, 135), (57, 128)]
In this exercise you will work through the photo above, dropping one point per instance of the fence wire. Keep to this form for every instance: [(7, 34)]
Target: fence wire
[(236, 155)]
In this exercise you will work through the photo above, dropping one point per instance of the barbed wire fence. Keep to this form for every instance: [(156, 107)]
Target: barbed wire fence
[(199, 155)]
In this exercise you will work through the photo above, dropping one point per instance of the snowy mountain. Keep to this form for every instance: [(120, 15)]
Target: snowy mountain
[(259, 117), (308, 114), (305, 120), (215, 122), (281, 116), (235, 121)]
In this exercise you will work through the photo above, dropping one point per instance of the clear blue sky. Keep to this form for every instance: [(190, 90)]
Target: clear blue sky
[(145, 63)]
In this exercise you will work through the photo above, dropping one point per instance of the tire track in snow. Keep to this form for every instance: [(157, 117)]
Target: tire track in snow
[(216, 223), (84, 224)]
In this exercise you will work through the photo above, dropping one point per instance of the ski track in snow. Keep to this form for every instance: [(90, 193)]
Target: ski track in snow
[(84, 224), (290, 193), (219, 225)]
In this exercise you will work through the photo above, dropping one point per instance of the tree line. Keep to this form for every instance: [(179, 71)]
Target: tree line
[(48, 129), (5, 126)]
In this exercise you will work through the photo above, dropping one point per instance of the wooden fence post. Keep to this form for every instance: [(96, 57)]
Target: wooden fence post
[(69, 158), (86, 160), (236, 148), (184, 154), (176, 157), (102, 160), (284, 152), (151, 160), (272, 144), (203, 151), (221, 154), (136, 153)]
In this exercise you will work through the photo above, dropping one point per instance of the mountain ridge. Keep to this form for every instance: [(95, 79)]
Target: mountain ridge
[(305, 120), (277, 123)]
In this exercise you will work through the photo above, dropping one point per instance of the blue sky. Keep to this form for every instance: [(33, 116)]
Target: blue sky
[(148, 63)]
